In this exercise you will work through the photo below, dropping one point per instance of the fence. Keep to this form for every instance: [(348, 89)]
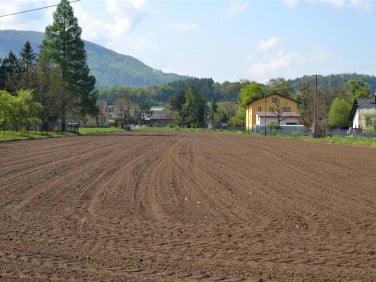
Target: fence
[(17, 127), (33, 128), (298, 130)]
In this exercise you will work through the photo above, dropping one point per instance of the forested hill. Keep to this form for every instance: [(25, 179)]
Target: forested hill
[(109, 68), (332, 80)]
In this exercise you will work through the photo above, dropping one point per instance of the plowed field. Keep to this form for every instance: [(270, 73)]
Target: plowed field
[(170, 206)]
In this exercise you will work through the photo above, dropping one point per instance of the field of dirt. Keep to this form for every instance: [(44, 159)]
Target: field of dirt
[(171, 206)]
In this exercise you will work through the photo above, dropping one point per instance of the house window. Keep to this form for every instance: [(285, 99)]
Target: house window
[(259, 109), (271, 109), (274, 100), (287, 109)]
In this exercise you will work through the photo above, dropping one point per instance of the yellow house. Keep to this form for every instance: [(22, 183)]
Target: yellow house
[(273, 109)]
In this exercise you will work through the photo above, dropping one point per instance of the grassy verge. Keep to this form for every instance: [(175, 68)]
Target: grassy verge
[(93, 130), (358, 141), (147, 128), (22, 135)]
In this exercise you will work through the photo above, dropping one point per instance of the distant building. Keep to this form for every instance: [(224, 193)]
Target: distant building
[(159, 118), (272, 109), (363, 114)]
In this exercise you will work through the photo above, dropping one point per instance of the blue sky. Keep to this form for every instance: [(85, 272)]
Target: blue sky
[(226, 40)]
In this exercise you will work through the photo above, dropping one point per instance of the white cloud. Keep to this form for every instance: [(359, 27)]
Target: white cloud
[(185, 27), (121, 7), (267, 44), (115, 31), (271, 64), (231, 11), (333, 3), (361, 5), (291, 3), (130, 12)]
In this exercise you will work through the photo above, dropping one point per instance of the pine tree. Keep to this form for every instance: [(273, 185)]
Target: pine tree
[(27, 56), (10, 73), (27, 61), (63, 47)]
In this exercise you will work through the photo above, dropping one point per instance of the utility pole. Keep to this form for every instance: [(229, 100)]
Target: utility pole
[(315, 110), (264, 112)]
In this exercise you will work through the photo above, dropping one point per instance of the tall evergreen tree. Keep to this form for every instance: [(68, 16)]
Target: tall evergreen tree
[(27, 61), (28, 56), (10, 73), (64, 48)]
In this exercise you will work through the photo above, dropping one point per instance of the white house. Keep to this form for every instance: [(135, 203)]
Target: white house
[(363, 114)]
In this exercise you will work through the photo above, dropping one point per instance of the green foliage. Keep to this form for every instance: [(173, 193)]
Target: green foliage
[(193, 111), (28, 57), (359, 89), (188, 108), (159, 94), (227, 91), (63, 47), (47, 91), (236, 121), (280, 86), (339, 112), (273, 126), (250, 91), (18, 109), (10, 73), (92, 130), (225, 111)]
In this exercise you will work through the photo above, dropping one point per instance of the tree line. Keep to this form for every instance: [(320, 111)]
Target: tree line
[(225, 103), (57, 79)]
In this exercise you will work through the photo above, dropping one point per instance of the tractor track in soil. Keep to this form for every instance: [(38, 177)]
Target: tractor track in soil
[(172, 206)]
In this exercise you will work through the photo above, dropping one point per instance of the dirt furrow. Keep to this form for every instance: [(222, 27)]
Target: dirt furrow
[(171, 206)]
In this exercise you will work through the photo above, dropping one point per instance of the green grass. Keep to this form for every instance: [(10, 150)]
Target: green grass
[(358, 141), (93, 130), (22, 135)]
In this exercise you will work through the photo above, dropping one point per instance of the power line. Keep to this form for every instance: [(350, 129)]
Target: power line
[(32, 10)]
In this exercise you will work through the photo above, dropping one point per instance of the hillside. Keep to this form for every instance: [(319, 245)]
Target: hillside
[(333, 80), (109, 68)]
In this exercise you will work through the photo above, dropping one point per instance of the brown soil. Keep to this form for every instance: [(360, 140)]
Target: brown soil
[(175, 206)]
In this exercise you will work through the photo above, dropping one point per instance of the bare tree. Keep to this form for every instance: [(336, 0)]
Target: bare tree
[(279, 110)]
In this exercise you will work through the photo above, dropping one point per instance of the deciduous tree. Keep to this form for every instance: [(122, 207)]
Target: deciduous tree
[(339, 112), (359, 89), (194, 108)]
